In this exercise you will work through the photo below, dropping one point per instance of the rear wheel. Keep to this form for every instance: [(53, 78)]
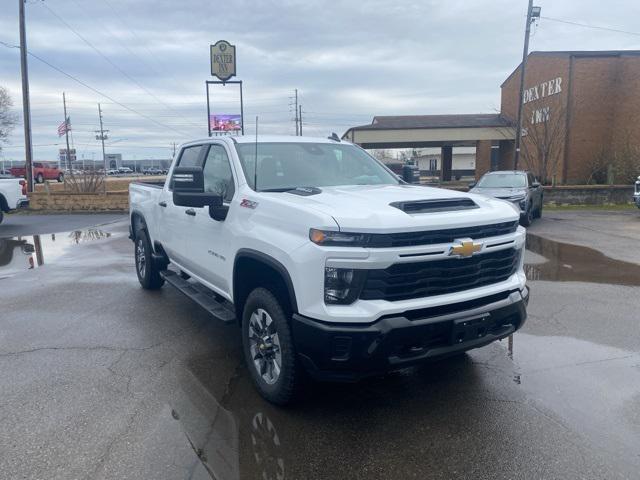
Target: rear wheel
[(268, 348), (147, 271)]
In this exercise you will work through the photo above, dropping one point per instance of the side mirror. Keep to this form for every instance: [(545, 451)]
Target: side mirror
[(472, 184), (188, 189)]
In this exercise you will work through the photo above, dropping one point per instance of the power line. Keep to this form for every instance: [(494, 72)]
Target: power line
[(113, 64), (59, 70), (586, 25)]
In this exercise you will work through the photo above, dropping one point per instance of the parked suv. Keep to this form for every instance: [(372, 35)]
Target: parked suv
[(516, 186), (327, 262)]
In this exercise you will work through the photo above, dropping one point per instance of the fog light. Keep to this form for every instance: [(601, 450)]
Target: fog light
[(342, 285)]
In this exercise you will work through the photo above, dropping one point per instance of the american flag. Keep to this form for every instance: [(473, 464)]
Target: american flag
[(64, 127)]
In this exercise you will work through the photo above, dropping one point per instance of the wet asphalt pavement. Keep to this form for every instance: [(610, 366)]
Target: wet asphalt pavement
[(101, 379)]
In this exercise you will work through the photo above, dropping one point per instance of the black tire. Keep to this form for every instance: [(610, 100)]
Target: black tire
[(285, 388), (61, 178), (538, 213), (39, 178), (148, 273), (527, 218)]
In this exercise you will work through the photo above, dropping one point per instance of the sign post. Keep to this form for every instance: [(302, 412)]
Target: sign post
[(223, 67)]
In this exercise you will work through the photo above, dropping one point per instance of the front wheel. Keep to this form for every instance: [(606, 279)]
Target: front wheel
[(268, 348), (147, 271), (527, 218)]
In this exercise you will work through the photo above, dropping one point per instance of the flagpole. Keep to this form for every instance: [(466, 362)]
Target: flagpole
[(66, 133)]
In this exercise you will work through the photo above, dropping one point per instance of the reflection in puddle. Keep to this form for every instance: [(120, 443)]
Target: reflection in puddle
[(573, 263), (25, 253)]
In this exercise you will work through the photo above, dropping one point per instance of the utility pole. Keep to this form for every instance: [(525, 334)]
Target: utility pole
[(295, 110), (102, 137), (532, 14), (300, 118), (297, 127), (66, 134), (26, 106)]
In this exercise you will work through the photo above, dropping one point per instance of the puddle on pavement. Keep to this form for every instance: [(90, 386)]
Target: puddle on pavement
[(234, 434), (28, 252), (573, 263)]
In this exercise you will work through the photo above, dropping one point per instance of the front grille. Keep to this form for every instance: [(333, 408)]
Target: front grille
[(407, 239), (403, 281)]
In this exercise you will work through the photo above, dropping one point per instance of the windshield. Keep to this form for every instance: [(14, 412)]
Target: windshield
[(283, 166), (503, 180)]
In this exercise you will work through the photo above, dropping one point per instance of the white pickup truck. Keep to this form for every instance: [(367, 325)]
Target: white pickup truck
[(329, 263), (13, 194)]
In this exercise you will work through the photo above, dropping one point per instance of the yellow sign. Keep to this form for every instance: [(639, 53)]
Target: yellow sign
[(465, 248)]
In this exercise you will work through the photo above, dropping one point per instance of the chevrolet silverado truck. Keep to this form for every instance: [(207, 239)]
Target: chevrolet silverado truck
[(13, 195), (330, 265)]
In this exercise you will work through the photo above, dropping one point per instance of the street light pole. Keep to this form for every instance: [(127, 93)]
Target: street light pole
[(532, 13), (26, 106)]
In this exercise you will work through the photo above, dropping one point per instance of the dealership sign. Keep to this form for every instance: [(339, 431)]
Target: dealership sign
[(223, 60)]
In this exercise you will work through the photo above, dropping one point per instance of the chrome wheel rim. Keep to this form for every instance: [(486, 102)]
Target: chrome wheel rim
[(141, 258), (264, 346)]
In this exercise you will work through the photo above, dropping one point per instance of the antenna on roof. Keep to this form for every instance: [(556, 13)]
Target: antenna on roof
[(334, 136), (255, 165)]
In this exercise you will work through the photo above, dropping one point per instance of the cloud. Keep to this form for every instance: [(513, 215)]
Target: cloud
[(350, 60)]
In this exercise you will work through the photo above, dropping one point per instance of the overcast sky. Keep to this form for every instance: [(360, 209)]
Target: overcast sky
[(349, 60)]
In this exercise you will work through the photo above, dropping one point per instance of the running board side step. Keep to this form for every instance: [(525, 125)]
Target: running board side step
[(214, 304)]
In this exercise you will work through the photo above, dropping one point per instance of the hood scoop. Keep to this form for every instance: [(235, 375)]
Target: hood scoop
[(435, 205)]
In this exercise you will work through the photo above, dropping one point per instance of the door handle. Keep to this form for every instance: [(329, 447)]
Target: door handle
[(191, 212), (163, 204)]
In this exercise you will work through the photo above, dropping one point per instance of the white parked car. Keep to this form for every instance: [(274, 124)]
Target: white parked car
[(326, 260), (13, 194)]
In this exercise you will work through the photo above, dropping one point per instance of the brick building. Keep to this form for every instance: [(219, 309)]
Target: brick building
[(581, 117), (581, 113)]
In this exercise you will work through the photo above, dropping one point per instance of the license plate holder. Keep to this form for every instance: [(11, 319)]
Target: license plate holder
[(470, 328)]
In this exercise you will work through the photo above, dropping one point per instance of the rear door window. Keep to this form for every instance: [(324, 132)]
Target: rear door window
[(190, 157)]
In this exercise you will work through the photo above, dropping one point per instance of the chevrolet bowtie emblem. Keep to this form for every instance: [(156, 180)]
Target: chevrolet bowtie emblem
[(465, 248)]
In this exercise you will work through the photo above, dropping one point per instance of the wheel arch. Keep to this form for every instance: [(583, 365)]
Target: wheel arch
[(262, 267)]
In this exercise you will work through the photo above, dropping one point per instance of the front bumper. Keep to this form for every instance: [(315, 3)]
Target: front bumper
[(350, 352)]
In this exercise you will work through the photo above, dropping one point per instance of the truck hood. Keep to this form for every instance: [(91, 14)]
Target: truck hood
[(367, 208)]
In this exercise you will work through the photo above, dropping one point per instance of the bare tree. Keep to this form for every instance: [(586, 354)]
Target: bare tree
[(7, 117), (543, 137)]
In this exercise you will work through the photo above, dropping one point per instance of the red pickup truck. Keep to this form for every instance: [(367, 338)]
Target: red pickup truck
[(41, 172)]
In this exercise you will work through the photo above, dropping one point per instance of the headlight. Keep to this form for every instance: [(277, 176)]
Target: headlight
[(338, 239), (342, 285)]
